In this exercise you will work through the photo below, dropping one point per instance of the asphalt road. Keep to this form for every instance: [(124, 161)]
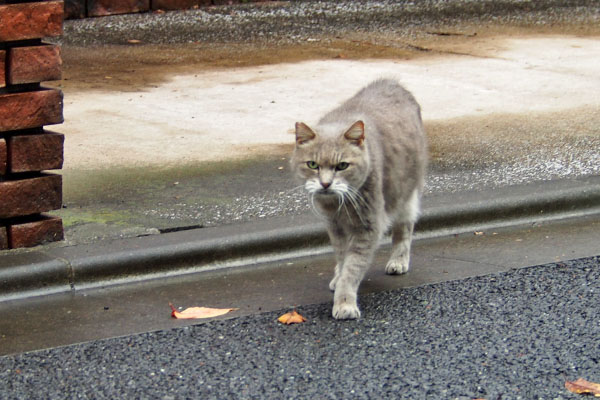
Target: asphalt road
[(514, 335)]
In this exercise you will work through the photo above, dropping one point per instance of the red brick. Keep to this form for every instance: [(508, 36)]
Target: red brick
[(2, 68), (3, 156), (97, 8), (179, 4), (34, 64), (30, 196), (35, 152), (30, 20), (74, 9), (28, 234), (30, 109), (3, 238)]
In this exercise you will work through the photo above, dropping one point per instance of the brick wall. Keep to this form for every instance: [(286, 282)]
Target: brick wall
[(98, 8), (26, 147)]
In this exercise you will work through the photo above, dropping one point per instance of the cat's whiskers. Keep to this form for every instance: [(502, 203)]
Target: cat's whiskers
[(347, 212), (344, 191), (294, 189), (314, 208), (339, 189), (340, 202), (355, 198)]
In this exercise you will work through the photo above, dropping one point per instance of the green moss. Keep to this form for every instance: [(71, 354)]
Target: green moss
[(78, 217)]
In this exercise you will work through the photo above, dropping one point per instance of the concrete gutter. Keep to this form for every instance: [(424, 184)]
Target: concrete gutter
[(48, 270)]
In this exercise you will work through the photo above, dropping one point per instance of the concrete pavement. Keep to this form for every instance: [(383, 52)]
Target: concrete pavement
[(240, 112), (136, 159), (509, 96)]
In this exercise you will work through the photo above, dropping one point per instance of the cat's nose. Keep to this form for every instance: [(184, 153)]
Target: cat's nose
[(325, 184)]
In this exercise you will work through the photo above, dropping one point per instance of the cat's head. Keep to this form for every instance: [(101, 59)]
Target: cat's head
[(332, 159)]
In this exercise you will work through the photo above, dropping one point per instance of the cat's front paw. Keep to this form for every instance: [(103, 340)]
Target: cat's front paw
[(397, 266), (345, 310)]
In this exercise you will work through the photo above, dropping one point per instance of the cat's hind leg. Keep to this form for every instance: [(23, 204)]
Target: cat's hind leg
[(402, 232)]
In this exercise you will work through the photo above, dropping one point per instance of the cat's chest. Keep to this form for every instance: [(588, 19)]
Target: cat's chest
[(345, 213)]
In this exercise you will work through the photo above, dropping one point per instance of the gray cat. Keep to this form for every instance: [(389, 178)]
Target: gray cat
[(363, 166)]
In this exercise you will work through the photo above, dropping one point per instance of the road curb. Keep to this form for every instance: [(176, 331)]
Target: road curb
[(44, 270)]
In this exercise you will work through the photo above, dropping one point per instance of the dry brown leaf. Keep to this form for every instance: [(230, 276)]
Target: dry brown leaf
[(581, 386), (291, 318), (199, 312)]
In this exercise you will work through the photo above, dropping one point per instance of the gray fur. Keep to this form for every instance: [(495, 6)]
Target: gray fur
[(364, 166)]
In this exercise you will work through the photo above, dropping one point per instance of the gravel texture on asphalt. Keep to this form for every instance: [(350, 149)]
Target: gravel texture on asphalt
[(515, 335), (298, 21)]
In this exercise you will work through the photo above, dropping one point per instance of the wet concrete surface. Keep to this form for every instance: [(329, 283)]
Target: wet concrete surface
[(467, 153), (90, 314), (108, 205), (142, 167)]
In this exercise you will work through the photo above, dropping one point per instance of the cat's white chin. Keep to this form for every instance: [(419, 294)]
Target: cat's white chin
[(326, 193)]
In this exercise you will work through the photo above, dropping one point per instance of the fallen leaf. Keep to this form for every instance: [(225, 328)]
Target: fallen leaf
[(134, 41), (581, 386), (291, 318), (198, 312)]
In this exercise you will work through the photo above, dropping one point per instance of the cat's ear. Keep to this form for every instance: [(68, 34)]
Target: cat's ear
[(303, 133), (356, 133)]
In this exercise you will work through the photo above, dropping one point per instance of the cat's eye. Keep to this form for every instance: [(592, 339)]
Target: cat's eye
[(312, 164), (342, 166)]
